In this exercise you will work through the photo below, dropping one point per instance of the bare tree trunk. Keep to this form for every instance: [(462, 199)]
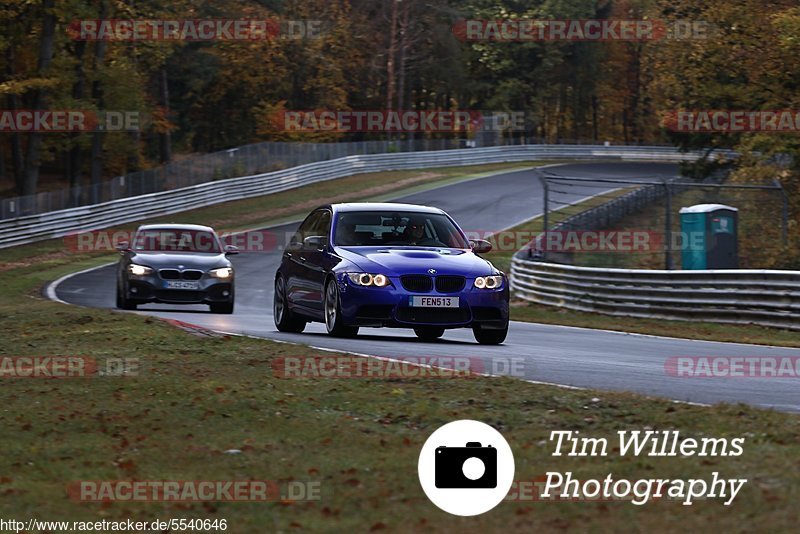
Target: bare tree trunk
[(133, 163), (165, 137), (96, 171), (33, 157), (17, 158), (636, 92), (404, 45), (390, 59), (75, 157), (625, 137)]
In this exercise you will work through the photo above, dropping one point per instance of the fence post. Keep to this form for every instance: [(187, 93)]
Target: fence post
[(667, 226), (785, 212)]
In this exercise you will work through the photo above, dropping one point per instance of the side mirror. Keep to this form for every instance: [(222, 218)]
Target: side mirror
[(231, 250), (315, 242), (123, 246), (480, 246)]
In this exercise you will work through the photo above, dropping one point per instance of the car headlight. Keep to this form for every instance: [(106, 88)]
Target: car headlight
[(139, 270), (367, 279), (489, 282), (222, 272)]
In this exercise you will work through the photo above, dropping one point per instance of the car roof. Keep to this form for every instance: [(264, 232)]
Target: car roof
[(383, 206), (170, 226)]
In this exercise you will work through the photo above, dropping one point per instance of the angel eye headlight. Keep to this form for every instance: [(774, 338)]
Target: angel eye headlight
[(488, 282), (367, 279), (139, 270)]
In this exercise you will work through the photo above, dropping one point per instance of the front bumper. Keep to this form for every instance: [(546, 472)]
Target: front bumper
[(152, 288), (389, 307)]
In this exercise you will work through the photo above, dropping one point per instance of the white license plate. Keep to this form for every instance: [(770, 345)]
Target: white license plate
[(433, 302), (180, 284)]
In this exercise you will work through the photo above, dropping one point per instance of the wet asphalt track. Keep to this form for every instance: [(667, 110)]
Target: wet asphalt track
[(552, 354)]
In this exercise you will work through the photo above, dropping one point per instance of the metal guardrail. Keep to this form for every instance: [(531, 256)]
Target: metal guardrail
[(195, 169), (29, 229), (741, 296)]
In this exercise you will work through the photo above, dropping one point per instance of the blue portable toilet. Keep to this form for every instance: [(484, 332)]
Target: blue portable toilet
[(709, 235)]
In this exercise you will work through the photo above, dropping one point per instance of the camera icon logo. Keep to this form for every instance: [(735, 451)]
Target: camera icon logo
[(472, 466), (466, 467)]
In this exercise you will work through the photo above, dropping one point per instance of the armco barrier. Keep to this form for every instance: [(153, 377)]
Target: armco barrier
[(54, 224), (768, 298)]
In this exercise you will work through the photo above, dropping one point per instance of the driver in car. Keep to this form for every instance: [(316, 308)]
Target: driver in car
[(414, 232)]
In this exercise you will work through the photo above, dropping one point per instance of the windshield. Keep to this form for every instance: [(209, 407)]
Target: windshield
[(175, 240), (398, 228)]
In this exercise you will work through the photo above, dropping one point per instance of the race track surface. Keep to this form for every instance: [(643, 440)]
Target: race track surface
[(553, 354)]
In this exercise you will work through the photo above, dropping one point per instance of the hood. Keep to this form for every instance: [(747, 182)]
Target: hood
[(416, 260), (189, 260)]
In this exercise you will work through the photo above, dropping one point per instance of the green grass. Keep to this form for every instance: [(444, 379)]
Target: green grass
[(196, 397), (538, 313), (294, 204), (501, 256), (290, 205)]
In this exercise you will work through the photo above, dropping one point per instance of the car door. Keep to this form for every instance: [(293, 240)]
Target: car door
[(293, 259), (316, 262)]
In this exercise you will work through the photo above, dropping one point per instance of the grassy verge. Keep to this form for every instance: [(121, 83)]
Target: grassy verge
[(196, 397), (294, 204), (525, 311), (501, 255), (759, 235), (287, 205)]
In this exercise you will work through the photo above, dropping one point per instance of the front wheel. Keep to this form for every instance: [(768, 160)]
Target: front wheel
[(490, 337), (124, 303), (429, 333), (333, 313), (285, 320)]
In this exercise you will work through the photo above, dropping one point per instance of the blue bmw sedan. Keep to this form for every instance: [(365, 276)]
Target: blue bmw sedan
[(389, 265)]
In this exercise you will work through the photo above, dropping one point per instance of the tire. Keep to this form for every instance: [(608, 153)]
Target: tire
[(429, 333), (221, 307), (285, 321), (333, 313), (124, 303), (490, 337)]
